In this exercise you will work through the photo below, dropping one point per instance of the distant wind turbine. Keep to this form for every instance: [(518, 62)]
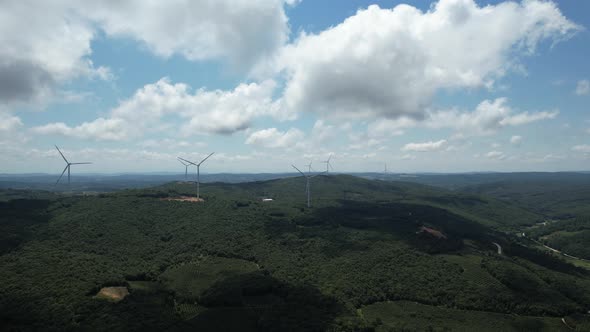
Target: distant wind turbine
[(307, 184), (186, 165), (328, 165), (68, 165), (198, 170), (309, 169)]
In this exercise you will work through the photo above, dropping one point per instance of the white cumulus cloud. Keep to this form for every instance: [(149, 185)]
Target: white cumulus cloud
[(9, 123), (391, 62), (322, 132), (584, 148), (426, 146), (241, 31), (497, 155), (43, 45), (206, 111), (46, 44), (516, 139), (100, 129), (273, 138), (526, 118), (201, 112), (583, 88), (488, 117)]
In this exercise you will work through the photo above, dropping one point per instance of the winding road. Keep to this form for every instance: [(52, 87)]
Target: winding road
[(559, 251), (499, 248), (566, 324)]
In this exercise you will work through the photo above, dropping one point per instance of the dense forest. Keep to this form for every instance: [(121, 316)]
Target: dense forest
[(570, 236), (369, 255), (554, 195)]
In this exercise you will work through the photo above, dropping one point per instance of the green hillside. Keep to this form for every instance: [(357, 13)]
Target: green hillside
[(570, 236), (563, 201), (234, 262), (554, 197)]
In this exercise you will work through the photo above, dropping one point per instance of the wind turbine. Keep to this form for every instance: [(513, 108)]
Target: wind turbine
[(309, 169), (198, 170), (67, 166), (307, 185), (186, 165), (328, 165), (309, 166), (385, 172)]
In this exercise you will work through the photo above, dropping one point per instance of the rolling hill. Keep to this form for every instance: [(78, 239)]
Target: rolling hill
[(365, 252)]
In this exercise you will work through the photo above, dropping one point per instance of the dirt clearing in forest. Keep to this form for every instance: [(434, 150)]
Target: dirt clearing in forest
[(433, 232), (184, 199), (114, 294)]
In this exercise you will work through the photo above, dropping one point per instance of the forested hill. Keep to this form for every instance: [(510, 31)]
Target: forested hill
[(554, 197), (458, 181), (368, 255)]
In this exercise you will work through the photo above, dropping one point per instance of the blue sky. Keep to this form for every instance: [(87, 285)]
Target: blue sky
[(444, 86)]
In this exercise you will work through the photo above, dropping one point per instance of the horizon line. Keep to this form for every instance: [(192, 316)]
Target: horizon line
[(279, 173)]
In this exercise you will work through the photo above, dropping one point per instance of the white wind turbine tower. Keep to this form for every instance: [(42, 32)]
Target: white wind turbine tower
[(309, 169), (186, 165), (328, 165), (385, 172), (198, 171), (307, 185), (68, 165)]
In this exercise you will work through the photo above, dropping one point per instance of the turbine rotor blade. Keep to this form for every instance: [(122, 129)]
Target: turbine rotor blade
[(298, 170), (190, 162), (85, 163), (202, 161), (62, 155), (62, 174), (313, 176), (182, 162)]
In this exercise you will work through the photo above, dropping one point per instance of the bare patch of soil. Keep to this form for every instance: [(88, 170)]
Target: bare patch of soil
[(433, 232), (183, 199), (114, 294)]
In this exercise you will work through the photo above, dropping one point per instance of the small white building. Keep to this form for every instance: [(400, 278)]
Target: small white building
[(267, 200)]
